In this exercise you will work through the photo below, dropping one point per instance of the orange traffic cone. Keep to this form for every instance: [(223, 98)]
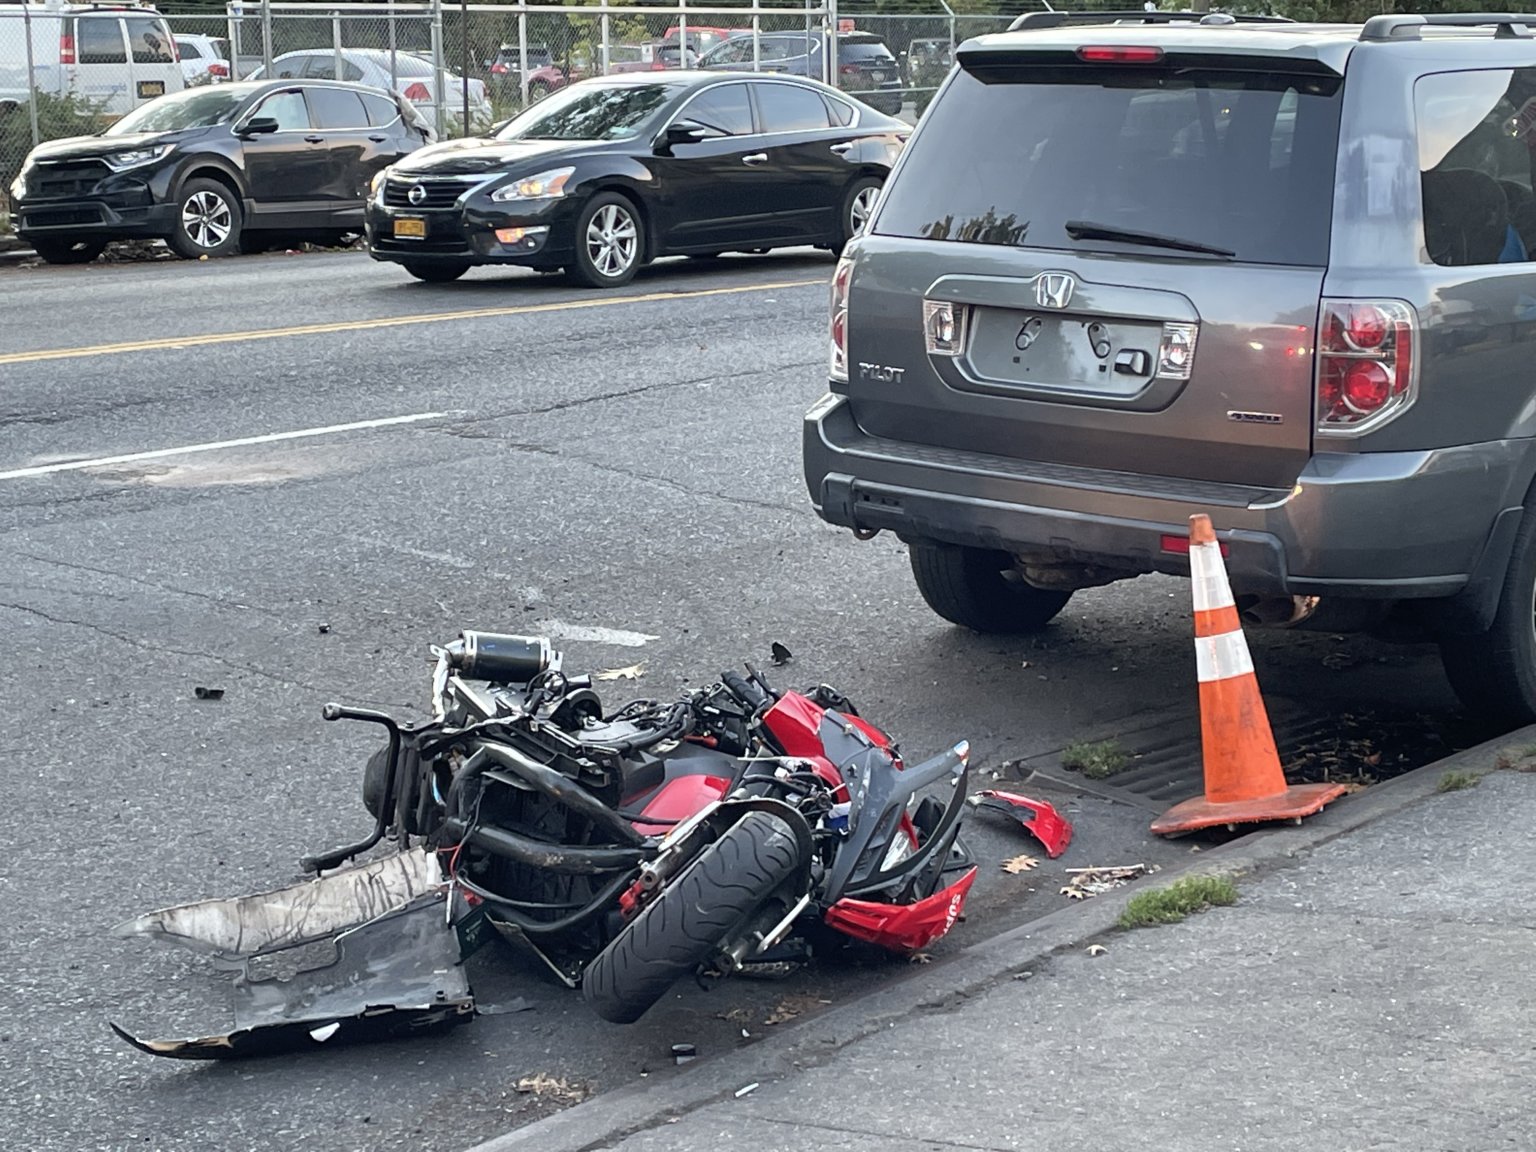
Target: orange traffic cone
[(1244, 783)]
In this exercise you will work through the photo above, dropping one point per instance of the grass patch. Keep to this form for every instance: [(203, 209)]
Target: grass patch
[(1182, 898), (1096, 759), (1457, 782)]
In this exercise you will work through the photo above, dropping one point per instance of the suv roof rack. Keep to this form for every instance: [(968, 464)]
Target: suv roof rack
[(1506, 26), (1032, 20)]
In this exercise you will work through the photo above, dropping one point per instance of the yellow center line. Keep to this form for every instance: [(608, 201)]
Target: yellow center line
[(175, 342)]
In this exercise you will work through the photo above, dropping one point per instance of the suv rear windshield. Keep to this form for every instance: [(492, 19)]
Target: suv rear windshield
[(1238, 161)]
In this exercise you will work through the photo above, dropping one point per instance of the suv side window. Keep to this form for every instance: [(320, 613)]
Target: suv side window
[(287, 108), (99, 40), (1477, 144), (381, 110), (336, 108), (151, 43)]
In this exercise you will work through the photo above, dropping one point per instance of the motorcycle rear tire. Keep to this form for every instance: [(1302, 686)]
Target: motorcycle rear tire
[(703, 909)]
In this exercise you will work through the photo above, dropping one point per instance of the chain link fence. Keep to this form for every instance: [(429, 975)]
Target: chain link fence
[(69, 70)]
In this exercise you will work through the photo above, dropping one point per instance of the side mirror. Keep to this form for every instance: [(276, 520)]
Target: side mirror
[(682, 132), (260, 126)]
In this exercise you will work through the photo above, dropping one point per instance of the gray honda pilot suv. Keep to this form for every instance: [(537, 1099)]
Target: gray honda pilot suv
[(1135, 266)]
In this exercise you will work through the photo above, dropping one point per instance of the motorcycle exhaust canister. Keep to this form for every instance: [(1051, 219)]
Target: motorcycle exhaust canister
[(501, 658)]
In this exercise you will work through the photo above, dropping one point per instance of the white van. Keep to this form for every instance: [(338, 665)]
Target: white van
[(114, 56)]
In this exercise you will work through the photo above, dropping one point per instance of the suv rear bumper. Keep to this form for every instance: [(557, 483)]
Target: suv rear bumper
[(1386, 525)]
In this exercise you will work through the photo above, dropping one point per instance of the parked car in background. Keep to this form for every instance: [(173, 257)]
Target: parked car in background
[(506, 68), (405, 73), (624, 58), (615, 171), (928, 61), (865, 66), (216, 168), (204, 59), (701, 38), (113, 59)]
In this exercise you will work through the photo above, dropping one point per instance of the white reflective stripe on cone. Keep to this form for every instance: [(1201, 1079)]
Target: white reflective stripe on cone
[(1222, 657), (1210, 578)]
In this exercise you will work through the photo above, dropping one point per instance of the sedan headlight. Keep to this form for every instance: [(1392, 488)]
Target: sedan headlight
[(137, 157), (18, 189), (544, 186), (377, 184)]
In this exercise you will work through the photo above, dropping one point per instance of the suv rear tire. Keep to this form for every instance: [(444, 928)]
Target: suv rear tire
[(978, 589), (208, 220), (55, 251), (1494, 673)]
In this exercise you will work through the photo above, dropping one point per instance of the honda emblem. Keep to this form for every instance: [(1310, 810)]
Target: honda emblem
[(1054, 289), (419, 193)]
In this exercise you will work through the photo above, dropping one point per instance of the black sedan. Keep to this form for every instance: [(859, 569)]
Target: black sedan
[(215, 170), (611, 173)]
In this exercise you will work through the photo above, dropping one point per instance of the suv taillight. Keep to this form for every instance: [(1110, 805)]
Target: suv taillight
[(66, 48), (1365, 364), (837, 364), (418, 91)]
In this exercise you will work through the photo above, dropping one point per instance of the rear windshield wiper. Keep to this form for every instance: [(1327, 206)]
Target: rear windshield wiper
[(1087, 230)]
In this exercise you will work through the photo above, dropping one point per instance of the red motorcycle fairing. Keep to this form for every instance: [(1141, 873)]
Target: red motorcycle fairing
[(795, 722), (678, 799), (903, 928)]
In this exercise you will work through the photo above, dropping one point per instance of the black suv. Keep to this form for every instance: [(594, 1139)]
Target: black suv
[(215, 170), (1136, 266)]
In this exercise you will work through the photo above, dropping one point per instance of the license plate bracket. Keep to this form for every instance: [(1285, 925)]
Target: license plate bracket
[(410, 228), (149, 89), (1047, 350)]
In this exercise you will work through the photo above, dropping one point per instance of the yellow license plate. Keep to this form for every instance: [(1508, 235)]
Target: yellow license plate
[(151, 88), (411, 229)]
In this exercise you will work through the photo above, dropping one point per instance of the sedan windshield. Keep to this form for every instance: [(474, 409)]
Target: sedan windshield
[(194, 108), (597, 113)]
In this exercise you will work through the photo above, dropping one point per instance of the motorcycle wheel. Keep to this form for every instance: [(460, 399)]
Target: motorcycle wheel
[(704, 909)]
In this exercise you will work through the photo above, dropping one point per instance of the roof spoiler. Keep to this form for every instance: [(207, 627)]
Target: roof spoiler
[(1033, 21), (1506, 26)]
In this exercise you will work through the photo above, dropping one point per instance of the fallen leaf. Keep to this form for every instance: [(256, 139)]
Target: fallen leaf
[(734, 1016), (555, 1088), (1020, 864), (633, 672), (1373, 759), (1097, 950), (920, 958), (780, 654), (1352, 787)]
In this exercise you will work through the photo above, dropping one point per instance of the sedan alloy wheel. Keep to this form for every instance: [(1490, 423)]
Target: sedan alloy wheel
[(610, 242)]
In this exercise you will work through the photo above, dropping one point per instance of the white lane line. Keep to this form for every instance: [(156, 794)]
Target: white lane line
[(218, 445), (560, 630)]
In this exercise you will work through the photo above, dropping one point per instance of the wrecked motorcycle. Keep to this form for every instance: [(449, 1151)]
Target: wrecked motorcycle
[(732, 828)]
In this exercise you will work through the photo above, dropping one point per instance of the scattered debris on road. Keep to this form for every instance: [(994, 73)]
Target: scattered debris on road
[(556, 1088), (1087, 882), (780, 654), (747, 1091), (1020, 864), (1095, 759), (203, 693), (1097, 950), (629, 672)]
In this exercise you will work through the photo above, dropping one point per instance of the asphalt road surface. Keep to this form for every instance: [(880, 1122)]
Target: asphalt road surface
[(202, 464)]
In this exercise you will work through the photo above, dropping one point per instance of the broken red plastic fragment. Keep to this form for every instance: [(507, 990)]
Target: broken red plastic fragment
[(902, 927), (1047, 825)]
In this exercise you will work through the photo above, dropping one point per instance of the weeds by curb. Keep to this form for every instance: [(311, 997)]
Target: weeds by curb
[(1095, 759), (1457, 781), (1184, 897)]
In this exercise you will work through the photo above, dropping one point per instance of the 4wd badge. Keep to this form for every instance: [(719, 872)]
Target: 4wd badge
[(1054, 289)]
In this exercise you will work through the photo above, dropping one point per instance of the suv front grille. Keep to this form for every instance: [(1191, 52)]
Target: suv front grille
[(59, 217), (439, 193), (66, 181)]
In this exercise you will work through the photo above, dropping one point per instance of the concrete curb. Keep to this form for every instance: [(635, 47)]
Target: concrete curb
[(666, 1095)]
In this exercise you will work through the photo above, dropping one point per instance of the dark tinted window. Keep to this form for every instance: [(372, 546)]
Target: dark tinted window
[(289, 69), (790, 108), (863, 50), (1239, 161), (842, 111), (287, 108), (1477, 131), (152, 43), (381, 110), (99, 40), (725, 110), (336, 108), (324, 68), (188, 49)]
